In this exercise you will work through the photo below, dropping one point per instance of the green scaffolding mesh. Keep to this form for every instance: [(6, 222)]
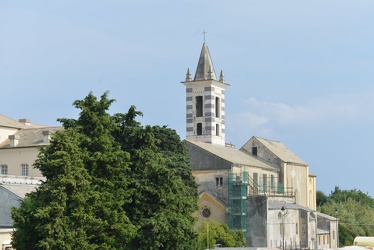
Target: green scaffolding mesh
[(237, 201)]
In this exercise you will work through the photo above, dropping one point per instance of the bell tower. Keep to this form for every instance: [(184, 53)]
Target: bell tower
[(205, 102)]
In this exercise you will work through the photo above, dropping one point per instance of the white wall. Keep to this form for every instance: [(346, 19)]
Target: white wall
[(5, 132)]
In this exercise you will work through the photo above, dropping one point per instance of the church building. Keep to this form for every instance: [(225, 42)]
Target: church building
[(262, 188)]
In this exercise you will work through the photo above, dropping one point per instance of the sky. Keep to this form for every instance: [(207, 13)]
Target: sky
[(300, 72)]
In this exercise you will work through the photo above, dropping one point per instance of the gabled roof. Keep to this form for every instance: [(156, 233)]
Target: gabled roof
[(31, 136), (11, 123), (212, 199), (231, 154), (281, 151), (205, 69)]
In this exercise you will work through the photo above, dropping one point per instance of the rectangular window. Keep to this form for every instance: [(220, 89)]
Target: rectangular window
[(218, 108), (264, 182), (199, 129), (254, 151), (24, 169), (3, 169), (272, 181), (255, 182), (297, 228), (199, 106), (219, 181), (217, 129)]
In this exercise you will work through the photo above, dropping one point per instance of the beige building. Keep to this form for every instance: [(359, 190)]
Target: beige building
[(19, 143), (19, 148), (262, 188)]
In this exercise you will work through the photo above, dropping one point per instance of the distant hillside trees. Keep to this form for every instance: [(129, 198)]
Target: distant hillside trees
[(353, 208), (111, 184)]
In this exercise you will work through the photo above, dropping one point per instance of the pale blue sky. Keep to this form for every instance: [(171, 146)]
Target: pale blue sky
[(300, 72)]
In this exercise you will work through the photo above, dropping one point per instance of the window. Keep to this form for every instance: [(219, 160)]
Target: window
[(254, 151), (199, 106), (219, 181), (24, 169), (199, 129), (297, 228), (264, 182), (217, 129), (206, 212), (218, 108), (3, 169), (272, 181), (255, 182)]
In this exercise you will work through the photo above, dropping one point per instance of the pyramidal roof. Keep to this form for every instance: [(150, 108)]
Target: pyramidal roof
[(205, 69)]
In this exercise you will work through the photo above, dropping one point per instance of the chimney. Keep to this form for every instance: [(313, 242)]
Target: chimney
[(25, 121), (46, 136), (14, 139)]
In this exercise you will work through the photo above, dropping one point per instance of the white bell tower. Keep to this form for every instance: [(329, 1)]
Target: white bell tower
[(205, 102)]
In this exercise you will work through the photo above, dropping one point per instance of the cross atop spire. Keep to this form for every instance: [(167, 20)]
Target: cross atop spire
[(204, 32)]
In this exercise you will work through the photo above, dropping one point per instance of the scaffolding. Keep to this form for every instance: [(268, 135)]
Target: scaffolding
[(268, 186), (237, 201)]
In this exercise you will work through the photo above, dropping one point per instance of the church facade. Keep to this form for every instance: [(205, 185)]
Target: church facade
[(262, 188)]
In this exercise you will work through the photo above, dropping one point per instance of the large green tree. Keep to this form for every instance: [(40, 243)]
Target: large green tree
[(354, 210), (111, 184)]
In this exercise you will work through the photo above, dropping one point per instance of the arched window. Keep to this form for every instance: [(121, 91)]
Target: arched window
[(199, 129), (199, 106), (206, 212)]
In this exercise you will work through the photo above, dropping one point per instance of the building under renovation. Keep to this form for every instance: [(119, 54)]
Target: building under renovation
[(262, 188)]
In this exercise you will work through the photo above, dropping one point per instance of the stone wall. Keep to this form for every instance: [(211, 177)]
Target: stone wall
[(257, 221)]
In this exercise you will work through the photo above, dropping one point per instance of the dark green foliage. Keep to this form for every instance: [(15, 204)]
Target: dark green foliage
[(355, 211), (111, 184), (339, 195), (321, 198)]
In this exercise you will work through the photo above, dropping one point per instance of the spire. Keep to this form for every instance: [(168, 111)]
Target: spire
[(188, 75), (222, 77), (205, 69)]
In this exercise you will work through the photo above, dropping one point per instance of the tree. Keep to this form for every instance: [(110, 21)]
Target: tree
[(162, 177), (212, 233), (110, 185), (355, 211), (321, 198)]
